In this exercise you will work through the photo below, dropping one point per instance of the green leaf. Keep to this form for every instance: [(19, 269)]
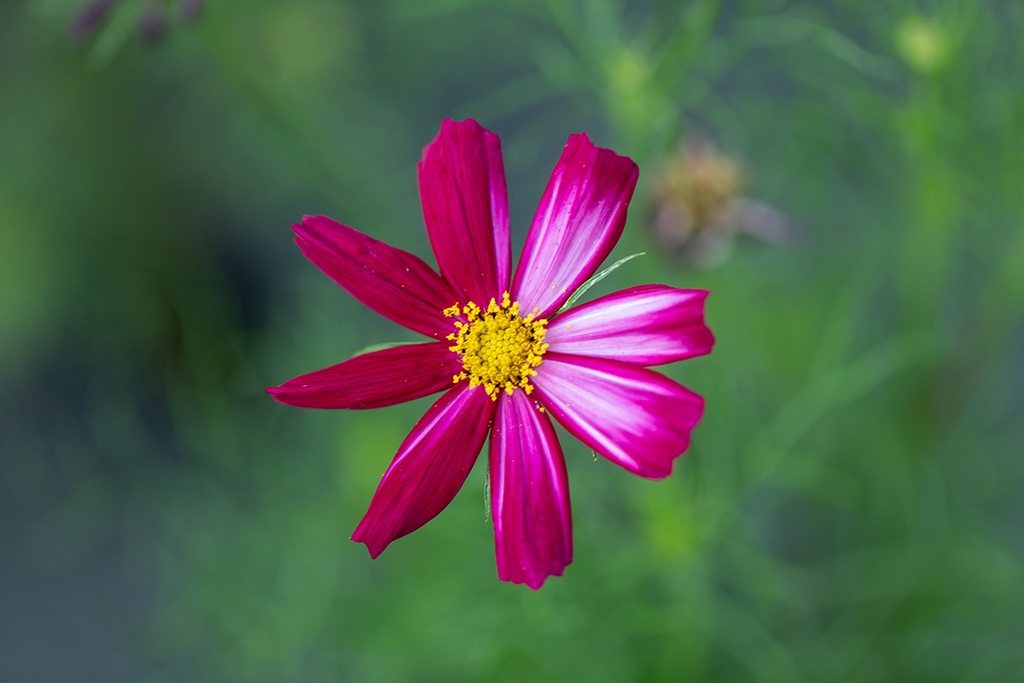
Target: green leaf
[(487, 494), (597, 278)]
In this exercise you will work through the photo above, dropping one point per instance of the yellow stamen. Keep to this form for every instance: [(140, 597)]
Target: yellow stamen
[(499, 348)]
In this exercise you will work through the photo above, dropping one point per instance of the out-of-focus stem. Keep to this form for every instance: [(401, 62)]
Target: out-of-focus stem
[(931, 230)]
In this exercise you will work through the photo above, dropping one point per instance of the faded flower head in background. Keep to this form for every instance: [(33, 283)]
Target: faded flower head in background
[(699, 207), (506, 349), (151, 24)]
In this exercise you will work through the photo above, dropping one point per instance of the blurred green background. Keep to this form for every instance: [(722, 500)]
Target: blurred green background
[(850, 509)]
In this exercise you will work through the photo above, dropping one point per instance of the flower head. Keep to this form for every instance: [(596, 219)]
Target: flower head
[(699, 208), (504, 355)]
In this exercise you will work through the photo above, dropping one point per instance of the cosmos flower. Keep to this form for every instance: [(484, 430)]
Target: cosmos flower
[(504, 354)]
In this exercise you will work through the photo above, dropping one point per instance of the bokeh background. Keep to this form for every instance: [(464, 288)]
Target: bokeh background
[(845, 177)]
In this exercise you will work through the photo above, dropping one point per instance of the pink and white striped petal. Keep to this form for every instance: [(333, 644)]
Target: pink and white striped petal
[(529, 494), (430, 467), (646, 325), (578, 222), (374, 380), (392, 282), (633, 416), (465, 207)]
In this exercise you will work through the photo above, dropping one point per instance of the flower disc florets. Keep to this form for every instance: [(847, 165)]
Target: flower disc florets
[(499, 347)]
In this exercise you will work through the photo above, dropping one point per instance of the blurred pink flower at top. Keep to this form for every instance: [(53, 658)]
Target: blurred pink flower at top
[(504, 354), (151, 24)]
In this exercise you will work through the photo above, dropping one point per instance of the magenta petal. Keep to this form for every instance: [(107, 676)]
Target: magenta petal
[(529, 494), (429, 469), (633, 416), (646, 325), (374, 380), (578, 222), (392, 282), (465, 207)]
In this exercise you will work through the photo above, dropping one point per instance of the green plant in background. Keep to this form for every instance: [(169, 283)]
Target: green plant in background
[(851, 507)]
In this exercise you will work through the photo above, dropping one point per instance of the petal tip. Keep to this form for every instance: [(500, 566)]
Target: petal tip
[(582, 140), (373, 546), (449, 127), (310, 223), (279, 394), (535, 579)]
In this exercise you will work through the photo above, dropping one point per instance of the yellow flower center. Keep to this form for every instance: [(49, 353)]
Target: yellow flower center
[(499, 347)]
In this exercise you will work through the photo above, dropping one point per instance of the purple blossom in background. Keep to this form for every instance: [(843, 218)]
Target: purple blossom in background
[(90, 18), (190, 9), (151, 24), (699, 208)]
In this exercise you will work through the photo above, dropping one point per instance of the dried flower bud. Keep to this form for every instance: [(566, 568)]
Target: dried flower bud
[(90, 18), (698, 207), (152, 26), (189, 10)]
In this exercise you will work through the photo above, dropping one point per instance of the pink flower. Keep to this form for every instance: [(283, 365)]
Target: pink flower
[(504, 356)]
